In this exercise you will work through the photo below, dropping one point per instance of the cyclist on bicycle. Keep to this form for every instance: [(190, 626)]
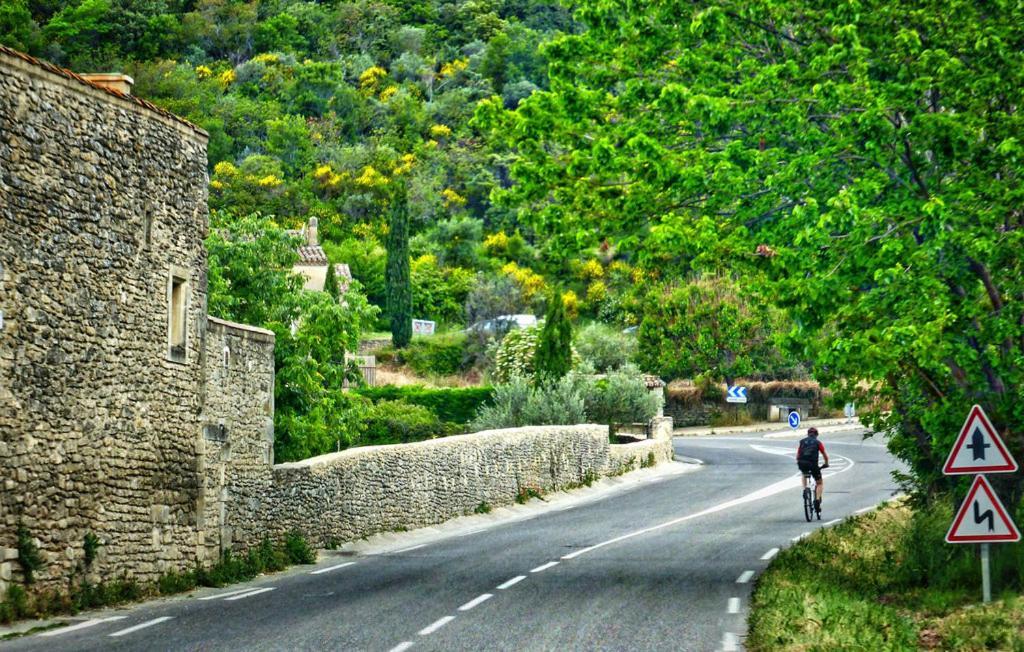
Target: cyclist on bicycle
[(807, 460)]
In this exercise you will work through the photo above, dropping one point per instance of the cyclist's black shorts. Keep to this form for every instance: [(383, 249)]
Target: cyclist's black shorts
[(810, 468)]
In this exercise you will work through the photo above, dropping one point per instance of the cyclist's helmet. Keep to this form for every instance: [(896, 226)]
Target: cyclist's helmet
[(812, 432)]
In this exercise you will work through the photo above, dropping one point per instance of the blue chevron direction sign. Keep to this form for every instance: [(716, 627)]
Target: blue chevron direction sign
[(736, 394)]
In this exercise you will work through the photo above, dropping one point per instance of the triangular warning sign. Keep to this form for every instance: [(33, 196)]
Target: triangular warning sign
[(978, 448), (982, 518)]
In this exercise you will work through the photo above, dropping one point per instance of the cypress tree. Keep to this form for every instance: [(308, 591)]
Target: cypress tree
[(331, 282), (554, 350), (398, 283)]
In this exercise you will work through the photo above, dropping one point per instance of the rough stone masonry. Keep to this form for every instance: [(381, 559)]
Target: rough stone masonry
[(128, 414)]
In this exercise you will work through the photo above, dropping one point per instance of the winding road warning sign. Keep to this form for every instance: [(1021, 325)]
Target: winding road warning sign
[(982, 518), (978, 448)]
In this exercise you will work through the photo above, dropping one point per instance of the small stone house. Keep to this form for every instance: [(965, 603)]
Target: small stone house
[(313, 262), (125, 411)]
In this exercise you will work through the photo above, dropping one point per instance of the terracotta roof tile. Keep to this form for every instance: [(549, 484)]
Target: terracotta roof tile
[(67, 74), (312, 255)]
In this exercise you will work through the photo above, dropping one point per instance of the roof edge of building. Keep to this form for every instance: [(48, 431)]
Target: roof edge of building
[(33, 63)]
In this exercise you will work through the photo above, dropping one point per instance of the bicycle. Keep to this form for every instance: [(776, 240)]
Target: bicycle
[(809, 493)]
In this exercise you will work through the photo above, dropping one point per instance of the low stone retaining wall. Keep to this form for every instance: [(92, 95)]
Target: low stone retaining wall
[(363, 491)]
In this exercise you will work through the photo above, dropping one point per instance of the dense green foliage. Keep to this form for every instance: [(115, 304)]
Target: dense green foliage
[(397, 281), (516, 356), (250, 281), (553, 358), (621, 397), (877, 581), (398, 422), (605, 348), (857, 162), (457, 405)]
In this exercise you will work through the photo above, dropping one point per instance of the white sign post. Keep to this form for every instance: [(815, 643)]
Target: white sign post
[(981, 518)]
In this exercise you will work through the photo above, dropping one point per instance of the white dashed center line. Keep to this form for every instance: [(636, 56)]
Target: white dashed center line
[(331, 568), (88, 623), (733, 606), (249, 594), (436, 625), (148, 623), (512, 582), (544, 567), (768, 555), (475, 601), (730, 642), (402, 647), (744, 577)]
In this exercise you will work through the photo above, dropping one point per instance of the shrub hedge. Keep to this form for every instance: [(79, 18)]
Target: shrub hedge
[(398, 422), (450, 404), (437, 355)]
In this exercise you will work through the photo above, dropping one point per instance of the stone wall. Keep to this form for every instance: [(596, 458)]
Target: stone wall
[(237, 443), (102, 203), (361, 491)]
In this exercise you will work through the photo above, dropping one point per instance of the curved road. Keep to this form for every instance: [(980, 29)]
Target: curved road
[(666, 565)]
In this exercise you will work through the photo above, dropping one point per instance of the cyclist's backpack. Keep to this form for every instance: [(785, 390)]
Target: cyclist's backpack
[(808, 450)]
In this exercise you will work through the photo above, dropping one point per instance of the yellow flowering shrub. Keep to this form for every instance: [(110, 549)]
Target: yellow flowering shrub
[(597, 292), (328, 179), (266, 57), (452, 199), (440, 131), (203, 72), (529, 281), (217, 185), (371, 178), (225, 169), (571, 303), (388, 93), (405, 164), (453, 68), (370, 78), (619, 268), (638, 276), (496, 243), (227, 77), (269, 181), (591, 270)]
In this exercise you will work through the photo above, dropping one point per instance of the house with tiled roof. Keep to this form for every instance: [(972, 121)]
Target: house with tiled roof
[(312, 264)]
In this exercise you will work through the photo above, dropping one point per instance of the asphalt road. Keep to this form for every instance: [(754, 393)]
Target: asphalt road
[(667, 565)]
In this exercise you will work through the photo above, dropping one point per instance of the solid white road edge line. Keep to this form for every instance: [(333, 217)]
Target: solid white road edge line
[(734, 606), (862, 510), (833, 522), (402, 647), (475, 601), (436, 625), (544, 567), (768, 555), (331, 568), (148, 623), (226, 594), (800, 536), (82, 625), (512, 582), (765, 492), (249, 594), (422, 545), (744, 577)]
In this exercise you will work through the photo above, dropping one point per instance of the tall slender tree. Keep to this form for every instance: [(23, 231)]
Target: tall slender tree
[(554, 351), (397, 273), (331, 282)]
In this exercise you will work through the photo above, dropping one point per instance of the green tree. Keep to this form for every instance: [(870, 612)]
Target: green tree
[(17, 27), (331, 286), (554, 349), (860, 162), (397, 274), (704, 328)]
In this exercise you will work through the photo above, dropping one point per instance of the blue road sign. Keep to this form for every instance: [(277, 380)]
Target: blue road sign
[(736, 394), (794, 420)]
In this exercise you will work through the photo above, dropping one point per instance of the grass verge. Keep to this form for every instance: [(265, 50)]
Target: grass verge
[(887, 581)]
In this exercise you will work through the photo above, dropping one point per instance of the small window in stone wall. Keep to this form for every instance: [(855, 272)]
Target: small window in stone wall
[(147, 229), (178, 299)]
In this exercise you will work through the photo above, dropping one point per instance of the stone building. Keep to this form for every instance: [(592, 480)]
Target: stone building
[(312, 263), (121, 403)]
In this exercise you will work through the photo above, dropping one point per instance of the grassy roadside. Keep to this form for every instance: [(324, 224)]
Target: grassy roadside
[(885, 581)]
